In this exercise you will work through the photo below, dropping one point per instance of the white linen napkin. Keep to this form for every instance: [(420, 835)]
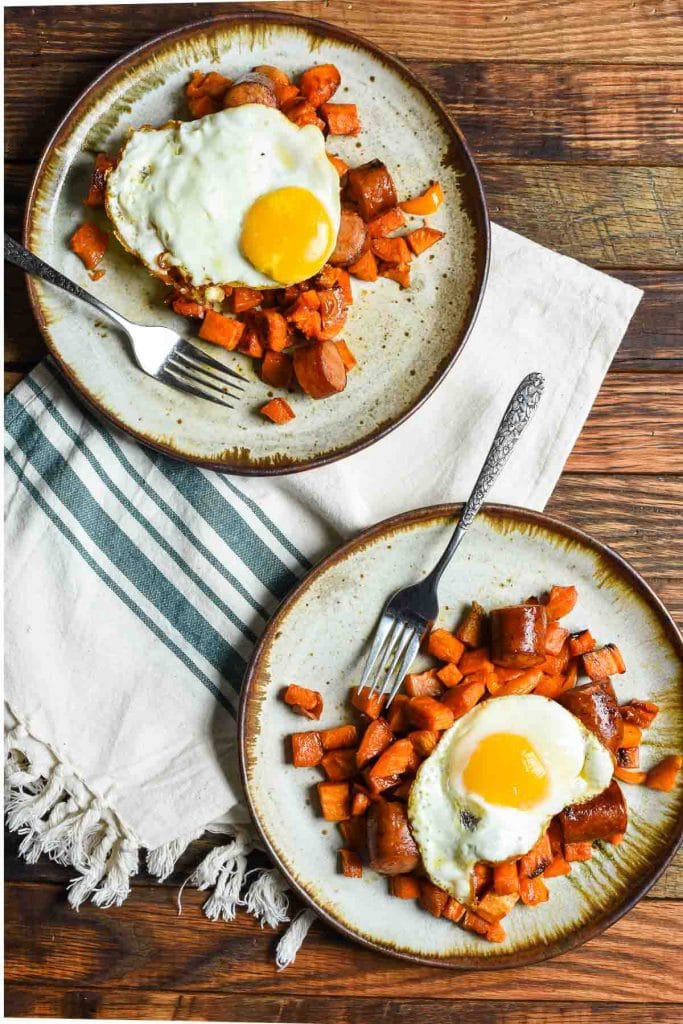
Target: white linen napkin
[(136, 586)]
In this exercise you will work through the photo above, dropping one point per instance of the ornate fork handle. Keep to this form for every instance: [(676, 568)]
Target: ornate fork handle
[(32, 264), (518, 413)]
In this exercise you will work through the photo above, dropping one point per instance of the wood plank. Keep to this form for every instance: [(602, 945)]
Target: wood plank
[(634, 426), (145, 944), (629, 217), (508, 111), (626, 217), (576, 30), (117, 1003), (654, 340)]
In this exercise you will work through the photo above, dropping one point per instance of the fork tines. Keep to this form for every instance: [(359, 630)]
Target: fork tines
[(394, 648), (190, 369)]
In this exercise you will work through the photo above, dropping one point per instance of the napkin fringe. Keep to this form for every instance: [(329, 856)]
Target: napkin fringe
[(41, 807), (43, 802)]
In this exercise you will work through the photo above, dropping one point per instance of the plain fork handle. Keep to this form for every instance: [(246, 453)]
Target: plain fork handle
[(522, 406), (21, 257)]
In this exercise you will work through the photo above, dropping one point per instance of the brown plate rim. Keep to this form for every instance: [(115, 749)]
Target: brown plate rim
[(476, 200), (540, 952)]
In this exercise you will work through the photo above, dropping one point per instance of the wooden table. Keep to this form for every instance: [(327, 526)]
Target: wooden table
[(573, 110)]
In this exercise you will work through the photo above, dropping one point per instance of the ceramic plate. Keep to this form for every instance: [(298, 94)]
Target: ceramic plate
[(404, 341), (318, 639)]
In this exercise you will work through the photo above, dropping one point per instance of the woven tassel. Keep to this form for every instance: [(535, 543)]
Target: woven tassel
[(266, 898), (121, 865), (223, 870), (290, 943), (84, 886), (162, 860), (29, 808)]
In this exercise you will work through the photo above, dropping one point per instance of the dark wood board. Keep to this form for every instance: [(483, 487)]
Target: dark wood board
[(573, 111)]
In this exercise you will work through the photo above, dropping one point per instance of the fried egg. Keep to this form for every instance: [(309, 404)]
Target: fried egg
[(239, 197), (497, 776)]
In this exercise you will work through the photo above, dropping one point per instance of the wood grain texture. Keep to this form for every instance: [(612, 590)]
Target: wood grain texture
[(117, 1003), (145, 944), (534, 30), (636, 422), (508, 112)]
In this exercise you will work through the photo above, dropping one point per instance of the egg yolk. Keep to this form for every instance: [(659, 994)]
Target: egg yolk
[(287, 234), (505, 769)]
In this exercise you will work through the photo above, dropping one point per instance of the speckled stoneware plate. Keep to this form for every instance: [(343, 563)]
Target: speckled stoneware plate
[(404, 341), (318, 639)]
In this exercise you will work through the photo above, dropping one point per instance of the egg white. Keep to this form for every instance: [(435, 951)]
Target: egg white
[(455, 828), (184, 189)]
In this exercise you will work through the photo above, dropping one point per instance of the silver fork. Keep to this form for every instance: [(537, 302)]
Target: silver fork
[(409, 613), (159, 351)]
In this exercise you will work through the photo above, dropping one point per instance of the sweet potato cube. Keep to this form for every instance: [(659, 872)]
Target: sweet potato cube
[(449, 675), (473, 626), (533, 891), (395, 760), (423, 684), (482, 878), (307, 750), (406, 887), (506, 878), (221, 330), (453, 910), (427, 713), (424, 741), (444, 646), (555, 637), (278, 410), (461, 698), (561, 601), (370, 705), (663, 775), (397, 715), (578, 851), (339, 765), (350, 863), (581, 643), (335, 800), (304, 701), (432, 898), (492, 907), (339, 738), (376, 738), (537, 859), (473, 923), (476, 660), (557, 867)]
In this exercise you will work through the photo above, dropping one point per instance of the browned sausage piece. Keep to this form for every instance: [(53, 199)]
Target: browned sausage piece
[(276, 75), (594, 704), (350, 238), (371, 188), (251, 88), (518, 635), (391, 847), (605, 815), (319, 369)]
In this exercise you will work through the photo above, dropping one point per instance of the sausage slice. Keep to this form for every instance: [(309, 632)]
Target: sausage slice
[(518, 635), (603, 816), (254, 87), (391, 847), (595, 705), (319, 369), (350, 238)]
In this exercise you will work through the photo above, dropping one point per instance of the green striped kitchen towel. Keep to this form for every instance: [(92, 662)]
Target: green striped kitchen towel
[(137, 585)]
